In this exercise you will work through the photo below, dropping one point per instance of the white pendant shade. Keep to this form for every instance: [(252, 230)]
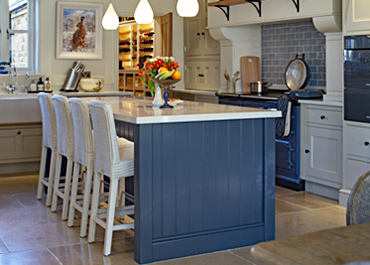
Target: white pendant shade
[(110, 19), (187, 8), (143, 13)]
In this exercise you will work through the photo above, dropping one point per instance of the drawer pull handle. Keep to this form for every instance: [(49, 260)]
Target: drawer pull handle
[(19, 132), (322, 117), (307, 151), (367, 143)]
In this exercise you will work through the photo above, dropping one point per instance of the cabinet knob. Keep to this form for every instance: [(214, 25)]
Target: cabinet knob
[(306, 151), (367, 143), (198, 34), (203, 33), (19, 132), (322, 117)]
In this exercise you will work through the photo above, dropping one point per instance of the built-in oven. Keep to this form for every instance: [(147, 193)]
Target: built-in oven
[(356, 66), (288, 147)]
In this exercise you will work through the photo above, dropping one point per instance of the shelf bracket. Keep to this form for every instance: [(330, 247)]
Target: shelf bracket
[(296, 3), (226, 12), (259, 7)]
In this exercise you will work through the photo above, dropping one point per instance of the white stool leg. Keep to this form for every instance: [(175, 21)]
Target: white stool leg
[(51, 177), (56, 182), (86, 202), (113, 187), (67, 189), (94, 206), (42, 172), (76, 174)]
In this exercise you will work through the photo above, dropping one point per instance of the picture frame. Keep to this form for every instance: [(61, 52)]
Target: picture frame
[(79, 32)]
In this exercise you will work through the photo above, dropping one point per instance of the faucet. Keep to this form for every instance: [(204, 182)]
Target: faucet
[(12, 71), (27, 78)]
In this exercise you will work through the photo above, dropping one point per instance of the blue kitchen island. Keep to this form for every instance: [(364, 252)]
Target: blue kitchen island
[(204, 176)]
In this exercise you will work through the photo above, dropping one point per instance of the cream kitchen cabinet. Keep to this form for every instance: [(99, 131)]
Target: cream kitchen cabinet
[(202, 75), (20, 147), (198, 41), (356, 16), (321, 152), (356, 156), (202, 53)]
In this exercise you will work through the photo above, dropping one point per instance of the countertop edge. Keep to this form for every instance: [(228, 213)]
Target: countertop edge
[(198, 117)]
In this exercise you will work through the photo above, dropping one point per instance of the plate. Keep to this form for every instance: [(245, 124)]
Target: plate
[(174, 103), (296, 74)]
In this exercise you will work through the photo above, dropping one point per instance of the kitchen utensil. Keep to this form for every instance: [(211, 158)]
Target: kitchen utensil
[(227, 77), (259, 87), (297, 73), (250, 72), (73, 77), (234, 77)]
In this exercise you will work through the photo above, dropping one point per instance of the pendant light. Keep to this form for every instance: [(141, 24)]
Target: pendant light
[(187, 8), (110, 19), (143, 13)]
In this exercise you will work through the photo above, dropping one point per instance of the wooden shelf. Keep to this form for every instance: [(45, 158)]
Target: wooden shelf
[(230, 2), (224, 5)]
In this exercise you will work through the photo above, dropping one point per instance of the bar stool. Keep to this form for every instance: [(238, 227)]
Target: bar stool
[(84, 157), (110, 162), (65, 147), (49, 142)]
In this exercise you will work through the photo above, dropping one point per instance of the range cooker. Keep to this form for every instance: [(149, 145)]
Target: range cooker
[(287, 148)]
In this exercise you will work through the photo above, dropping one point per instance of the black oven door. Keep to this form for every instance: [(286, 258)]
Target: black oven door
[(356, 58), (357, 104)]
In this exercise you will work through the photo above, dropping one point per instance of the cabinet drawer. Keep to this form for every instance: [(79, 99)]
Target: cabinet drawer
[(358, 141), (324, 116)]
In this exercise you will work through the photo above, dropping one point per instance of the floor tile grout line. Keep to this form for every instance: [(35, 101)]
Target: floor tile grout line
[(24, 206), (231, 252), (5, 245), (54, 256), (292, 203)]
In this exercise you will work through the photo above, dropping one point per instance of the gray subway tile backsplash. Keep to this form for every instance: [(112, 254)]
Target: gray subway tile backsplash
[(280, 44)]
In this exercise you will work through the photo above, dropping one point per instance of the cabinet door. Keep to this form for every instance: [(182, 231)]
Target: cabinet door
[(191, 76), (192, 36), (211, 72), (323, 156), (356, 15), (211, 46)]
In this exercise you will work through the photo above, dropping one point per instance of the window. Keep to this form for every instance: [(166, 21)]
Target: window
[(17, 26)]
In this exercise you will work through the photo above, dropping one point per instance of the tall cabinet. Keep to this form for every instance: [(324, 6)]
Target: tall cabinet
[(202, 53)]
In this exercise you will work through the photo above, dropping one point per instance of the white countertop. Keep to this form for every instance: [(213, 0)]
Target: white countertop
[(141, 111), (321, 102)]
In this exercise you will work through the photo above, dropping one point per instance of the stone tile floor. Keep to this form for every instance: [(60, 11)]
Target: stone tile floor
[(31, 235)]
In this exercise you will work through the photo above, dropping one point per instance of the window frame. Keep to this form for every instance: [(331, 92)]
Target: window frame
[(5, 42)]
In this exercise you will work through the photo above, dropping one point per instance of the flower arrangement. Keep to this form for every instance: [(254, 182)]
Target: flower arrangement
[(154, 66)]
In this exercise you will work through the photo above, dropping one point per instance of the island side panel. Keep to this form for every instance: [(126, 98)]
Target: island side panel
[(202, 186)]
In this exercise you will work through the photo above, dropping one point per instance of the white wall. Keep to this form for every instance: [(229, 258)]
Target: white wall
[(107, 67)]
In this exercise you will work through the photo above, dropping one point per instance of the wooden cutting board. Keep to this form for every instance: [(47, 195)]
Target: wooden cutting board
[(250, 71)]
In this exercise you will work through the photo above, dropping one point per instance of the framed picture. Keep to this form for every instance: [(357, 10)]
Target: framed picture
[(79, 33)]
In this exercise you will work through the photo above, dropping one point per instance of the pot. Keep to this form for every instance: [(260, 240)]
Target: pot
[(259, 87)]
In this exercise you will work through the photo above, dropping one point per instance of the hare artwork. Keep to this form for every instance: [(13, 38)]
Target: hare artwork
[(78, 39)]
